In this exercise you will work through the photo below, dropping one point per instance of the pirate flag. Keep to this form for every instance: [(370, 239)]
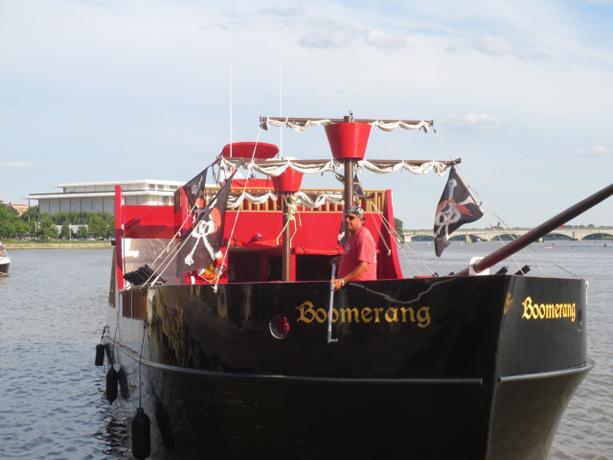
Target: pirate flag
[(194, 188), (200, 245), (456, 207)]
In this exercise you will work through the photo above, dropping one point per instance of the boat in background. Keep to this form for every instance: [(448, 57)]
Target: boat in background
[(5, 261), (251, 354)]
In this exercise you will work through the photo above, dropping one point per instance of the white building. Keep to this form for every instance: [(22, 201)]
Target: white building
[(99, 196)]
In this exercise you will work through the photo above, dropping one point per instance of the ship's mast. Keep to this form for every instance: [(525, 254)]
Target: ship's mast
[(286, 184), (348, 138), (348, 173), (286, 256)]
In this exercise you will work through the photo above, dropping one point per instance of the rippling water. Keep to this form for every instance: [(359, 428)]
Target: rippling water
[(586, 429), (52, 308), (51, 396)]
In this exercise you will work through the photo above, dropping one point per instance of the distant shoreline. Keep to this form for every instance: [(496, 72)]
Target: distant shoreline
[(56, 245)]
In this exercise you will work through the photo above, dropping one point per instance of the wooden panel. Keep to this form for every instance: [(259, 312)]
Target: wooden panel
[(134, 302)]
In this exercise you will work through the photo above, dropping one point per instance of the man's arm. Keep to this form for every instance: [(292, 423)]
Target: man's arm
[(357, 271)]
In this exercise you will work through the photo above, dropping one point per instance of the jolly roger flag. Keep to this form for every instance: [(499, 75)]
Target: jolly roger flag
[(198, 248), (194, 188), (456, 207)]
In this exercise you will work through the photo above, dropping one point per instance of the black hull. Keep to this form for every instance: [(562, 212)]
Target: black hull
[(4, 268), (461, 385)]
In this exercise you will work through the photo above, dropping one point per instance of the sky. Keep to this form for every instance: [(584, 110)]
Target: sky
[(522, 91)]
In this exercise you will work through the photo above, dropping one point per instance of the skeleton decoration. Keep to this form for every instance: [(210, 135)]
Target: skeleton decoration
[(201, 244), (456, 207)]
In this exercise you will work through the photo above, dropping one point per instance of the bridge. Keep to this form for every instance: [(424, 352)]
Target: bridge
[(499, 233)]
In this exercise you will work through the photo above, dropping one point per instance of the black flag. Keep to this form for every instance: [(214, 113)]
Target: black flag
[(456, 207), (200, 245), (194, 188)]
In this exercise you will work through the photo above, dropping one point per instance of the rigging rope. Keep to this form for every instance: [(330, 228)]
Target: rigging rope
[(238, 211), (171, 255), (489, 210), (400, 241), (292, 210)]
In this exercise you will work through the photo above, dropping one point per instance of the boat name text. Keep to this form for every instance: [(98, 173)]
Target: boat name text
[(548, 310), (309, 313)]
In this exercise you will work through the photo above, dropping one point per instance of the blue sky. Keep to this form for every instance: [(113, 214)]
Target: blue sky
[(115, 90)]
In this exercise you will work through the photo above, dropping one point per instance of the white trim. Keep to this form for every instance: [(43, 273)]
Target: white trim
[(123, 182), (68, 195)]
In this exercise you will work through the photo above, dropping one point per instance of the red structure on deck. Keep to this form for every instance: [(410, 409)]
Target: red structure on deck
[(255, 249)]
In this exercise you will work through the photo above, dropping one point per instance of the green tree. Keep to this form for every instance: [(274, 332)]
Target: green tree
[(59, 218), (65, 231), (31, 215), (22, 229), (82, 218), (11, 226), (399, 228), (47, 229), (8, 216), (98, 227), (82, 232)]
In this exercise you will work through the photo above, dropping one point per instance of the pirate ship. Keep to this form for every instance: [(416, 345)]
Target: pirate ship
[(224, 331)]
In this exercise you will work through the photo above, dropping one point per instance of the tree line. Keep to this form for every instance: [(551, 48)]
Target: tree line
[(43, 226)]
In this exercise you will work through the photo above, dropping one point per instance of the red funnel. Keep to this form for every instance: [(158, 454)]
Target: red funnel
[(348, 140), (289, 181)]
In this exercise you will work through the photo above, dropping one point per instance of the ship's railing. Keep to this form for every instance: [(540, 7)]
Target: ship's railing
[(374, 200)]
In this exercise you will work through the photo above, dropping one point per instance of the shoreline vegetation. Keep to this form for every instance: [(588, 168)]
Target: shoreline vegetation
[(56, 244)]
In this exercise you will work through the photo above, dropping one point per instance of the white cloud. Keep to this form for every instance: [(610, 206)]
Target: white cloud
[(334, 39), (493, 45), (16, 164), (159, 77), (283, 11), (380, 39), (601, 150), (477, 120), (598, 151)]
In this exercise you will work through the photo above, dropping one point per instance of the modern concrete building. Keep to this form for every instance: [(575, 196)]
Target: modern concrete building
[(99, 196)]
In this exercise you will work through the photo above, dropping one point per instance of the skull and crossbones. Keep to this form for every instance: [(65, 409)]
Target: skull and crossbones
[(205, 227)]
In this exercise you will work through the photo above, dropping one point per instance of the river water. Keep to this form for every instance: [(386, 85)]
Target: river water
[(52, 309)]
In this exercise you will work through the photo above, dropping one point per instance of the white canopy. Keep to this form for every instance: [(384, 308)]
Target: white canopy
[(275, 167), (300, 124)]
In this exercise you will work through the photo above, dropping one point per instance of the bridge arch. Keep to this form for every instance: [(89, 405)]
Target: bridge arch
[(558, 237), (421, 237), (475, 238), (490, 234), (598, 236), (505, 237), (457, 237)]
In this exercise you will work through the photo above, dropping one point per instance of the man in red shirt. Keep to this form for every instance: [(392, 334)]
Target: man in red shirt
[(359, 261)]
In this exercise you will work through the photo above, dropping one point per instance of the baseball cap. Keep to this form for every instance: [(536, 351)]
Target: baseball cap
[(355, 210)]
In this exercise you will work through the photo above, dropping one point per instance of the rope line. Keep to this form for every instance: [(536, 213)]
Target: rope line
[(172, 254), (489, 210), (391, 299), (392, 231), (292, 209), (238, 211)]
